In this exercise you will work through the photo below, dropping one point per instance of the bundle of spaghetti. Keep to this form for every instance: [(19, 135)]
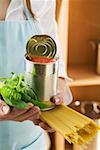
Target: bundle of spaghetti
[(75, 127)]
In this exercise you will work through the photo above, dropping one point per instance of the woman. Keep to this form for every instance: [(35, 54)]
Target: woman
[(17, 24)]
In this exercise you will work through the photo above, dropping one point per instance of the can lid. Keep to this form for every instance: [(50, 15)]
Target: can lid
[(41, 46)]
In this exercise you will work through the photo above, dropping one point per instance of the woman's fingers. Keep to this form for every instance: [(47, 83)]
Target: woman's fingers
[(17, 112), (33, 112), (43, 125), (57, 99), (14, 112), (46, 127), (34, 118), (4, 108), (36, 122)]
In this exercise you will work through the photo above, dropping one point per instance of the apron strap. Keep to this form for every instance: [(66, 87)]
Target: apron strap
[(27, 10), (30, 16)]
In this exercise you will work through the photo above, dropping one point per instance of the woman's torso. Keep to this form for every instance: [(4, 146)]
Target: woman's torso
[(16, 30), (14, 33)]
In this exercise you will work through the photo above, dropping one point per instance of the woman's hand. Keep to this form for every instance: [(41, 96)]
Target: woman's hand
[(59, 97), (6, 113), (32, 114), (63, 92)]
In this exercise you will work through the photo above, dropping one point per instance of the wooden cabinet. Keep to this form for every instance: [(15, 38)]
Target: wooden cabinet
[(77, 27), (84, 26)]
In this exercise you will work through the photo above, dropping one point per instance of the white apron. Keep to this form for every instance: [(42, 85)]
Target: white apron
[(13, 38)]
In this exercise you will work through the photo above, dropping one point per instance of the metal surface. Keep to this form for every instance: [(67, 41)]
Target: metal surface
[(98, 59), (42, 78), (95, 43), (41, 46)]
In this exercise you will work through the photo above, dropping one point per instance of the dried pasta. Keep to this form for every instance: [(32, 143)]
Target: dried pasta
[(75, 127)]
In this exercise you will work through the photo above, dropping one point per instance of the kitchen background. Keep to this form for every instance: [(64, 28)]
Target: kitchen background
[(79, 31)]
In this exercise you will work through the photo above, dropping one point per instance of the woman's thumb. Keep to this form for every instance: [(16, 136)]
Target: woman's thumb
[(57, 99), (4, 109)]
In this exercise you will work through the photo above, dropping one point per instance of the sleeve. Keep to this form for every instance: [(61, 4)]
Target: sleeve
[(62, 71)]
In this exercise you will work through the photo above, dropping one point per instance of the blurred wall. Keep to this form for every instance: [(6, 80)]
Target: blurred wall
[(63, 26), (84, 25)]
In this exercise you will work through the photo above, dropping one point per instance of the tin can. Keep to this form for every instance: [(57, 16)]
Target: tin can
[(42, 78)]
